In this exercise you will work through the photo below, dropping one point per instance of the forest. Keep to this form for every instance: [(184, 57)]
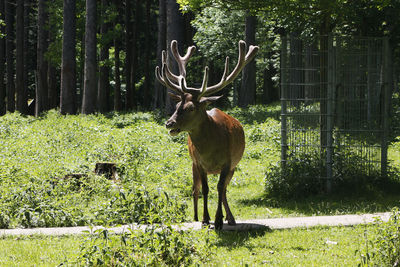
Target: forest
[(99, 56)]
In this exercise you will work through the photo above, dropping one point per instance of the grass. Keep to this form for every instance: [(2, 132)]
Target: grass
[(155, 169), (35, 151), (320, 246), (37, 250), (301, 247)]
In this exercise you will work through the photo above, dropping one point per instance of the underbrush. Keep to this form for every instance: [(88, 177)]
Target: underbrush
[(40, 154), (161, 246), (381, 245), (306, 176)]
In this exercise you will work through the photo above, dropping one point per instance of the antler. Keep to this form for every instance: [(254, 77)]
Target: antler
[(177, 83), (226, 79)]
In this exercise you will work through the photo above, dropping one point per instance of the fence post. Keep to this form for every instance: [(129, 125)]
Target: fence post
[(330, 114), (284, 91), (386, 90)]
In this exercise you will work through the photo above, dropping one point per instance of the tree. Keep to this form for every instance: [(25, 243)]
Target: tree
[(217, 36), (146, 91), (247, 93), (175, 31), (103, 93), (29, 57), (9, 19), (41, 100), (68, 65), (159, 91), (22, 103), (53, 89), (117, 88), (90, 84), (134, 67), (2, 61), (128, 52), (117, 62)]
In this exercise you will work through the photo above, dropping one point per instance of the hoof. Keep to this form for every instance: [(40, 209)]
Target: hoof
[(218, 224), (204, 223), (232, 222)]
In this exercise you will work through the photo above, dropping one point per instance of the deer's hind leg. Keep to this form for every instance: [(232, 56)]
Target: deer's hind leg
[(229, 216)]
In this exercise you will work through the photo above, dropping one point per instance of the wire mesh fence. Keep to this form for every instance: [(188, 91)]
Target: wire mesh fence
[(334, 97)]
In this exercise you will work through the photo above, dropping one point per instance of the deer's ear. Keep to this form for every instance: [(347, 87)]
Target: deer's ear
[(176, 98), (209, 99)]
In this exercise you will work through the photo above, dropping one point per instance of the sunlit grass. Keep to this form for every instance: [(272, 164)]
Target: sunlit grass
[(320, 246)]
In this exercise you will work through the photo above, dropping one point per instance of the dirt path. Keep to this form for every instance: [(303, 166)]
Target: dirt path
[(242, 225)]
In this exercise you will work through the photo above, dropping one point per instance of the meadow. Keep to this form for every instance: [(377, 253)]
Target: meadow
[(36, 190)]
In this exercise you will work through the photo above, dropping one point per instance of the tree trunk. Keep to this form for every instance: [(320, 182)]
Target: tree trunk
[(29, 57), (247, 93), (52, 92), (160, 90), (270, 92), (147, 91), (2, 63), (10, 37), (117, 89), (22, 103), (90, 84), (81, 77), (134, 68), (175, 31), (41, 100), (68, 65), (103, 93), (128, 52)]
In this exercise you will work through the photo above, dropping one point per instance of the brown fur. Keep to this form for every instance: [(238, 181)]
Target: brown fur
[(216, 144)]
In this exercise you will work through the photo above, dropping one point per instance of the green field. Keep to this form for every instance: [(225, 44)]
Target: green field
[(302, 247), (154, 169)]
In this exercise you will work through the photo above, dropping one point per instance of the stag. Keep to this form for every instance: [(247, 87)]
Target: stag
[(216, 140)]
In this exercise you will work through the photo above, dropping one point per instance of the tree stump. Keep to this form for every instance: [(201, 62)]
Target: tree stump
[(108, 169)]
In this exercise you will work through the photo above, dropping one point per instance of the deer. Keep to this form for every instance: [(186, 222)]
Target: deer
[(216, 140)]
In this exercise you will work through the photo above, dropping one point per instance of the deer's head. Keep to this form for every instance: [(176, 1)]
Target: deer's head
[(192, 102)]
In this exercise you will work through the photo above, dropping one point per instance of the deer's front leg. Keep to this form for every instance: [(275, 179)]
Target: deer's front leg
[(206, 216), (200, 178), (195, 190), (219, 218)]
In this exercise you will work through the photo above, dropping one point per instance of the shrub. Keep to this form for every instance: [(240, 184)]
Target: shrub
[(304, 176), (151, 247), (299, 179), (384, 248)]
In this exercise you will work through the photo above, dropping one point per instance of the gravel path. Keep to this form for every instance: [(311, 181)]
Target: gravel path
[(243, 225)]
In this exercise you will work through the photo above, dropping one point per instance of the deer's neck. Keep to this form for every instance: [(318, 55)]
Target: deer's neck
[(200, 134)]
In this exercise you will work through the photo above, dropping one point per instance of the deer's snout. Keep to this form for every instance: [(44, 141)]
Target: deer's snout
[(170, 123)]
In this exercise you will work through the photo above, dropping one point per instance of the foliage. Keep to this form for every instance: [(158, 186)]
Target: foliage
[(299, 179), (217, 33), (153, 246), (382, 246), (39, 154), (310, 17), (303, 177)]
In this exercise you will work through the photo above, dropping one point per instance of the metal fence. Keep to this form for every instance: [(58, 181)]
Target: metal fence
[(335, 103)]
